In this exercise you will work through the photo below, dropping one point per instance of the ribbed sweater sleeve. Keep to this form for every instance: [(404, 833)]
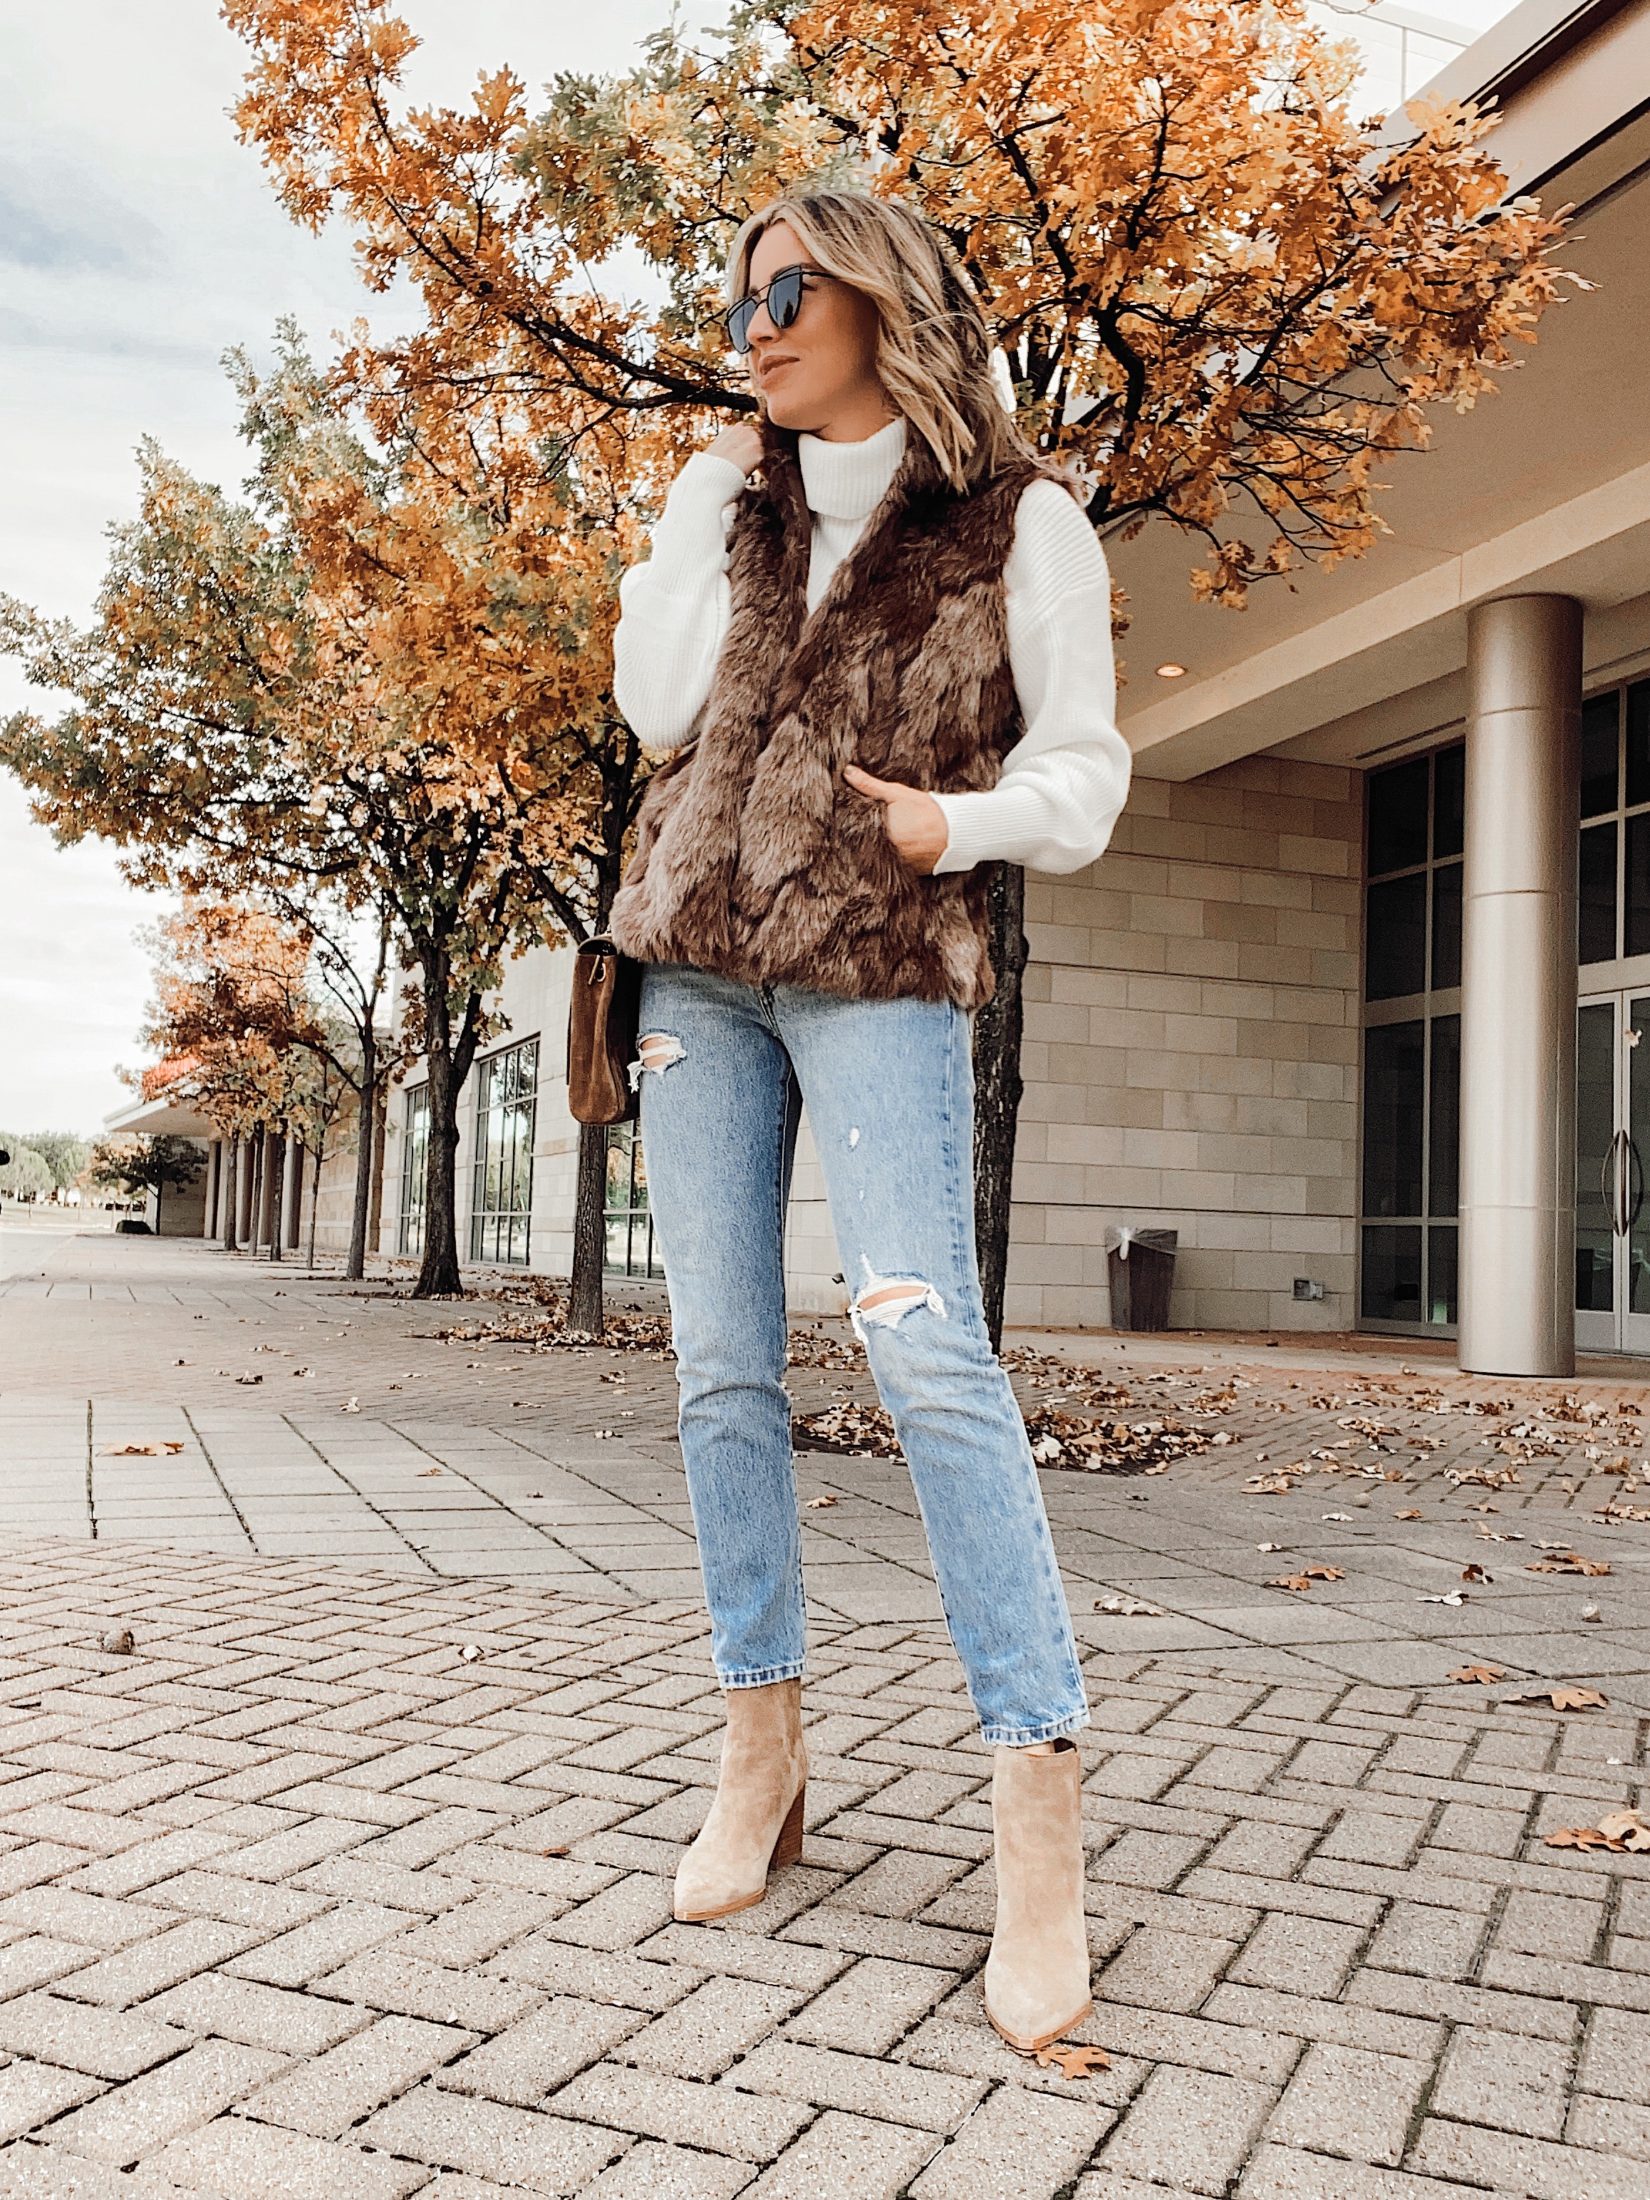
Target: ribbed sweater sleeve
[(1064, 783), (674, 606)]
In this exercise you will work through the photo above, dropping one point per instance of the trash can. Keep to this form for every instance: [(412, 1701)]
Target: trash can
[(1140, 1268)]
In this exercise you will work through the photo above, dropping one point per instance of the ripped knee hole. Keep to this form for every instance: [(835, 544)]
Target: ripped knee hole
[(656, 1051), (883, 1301)]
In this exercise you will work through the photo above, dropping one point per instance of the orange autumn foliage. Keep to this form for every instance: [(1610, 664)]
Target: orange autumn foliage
[(1224, 292)]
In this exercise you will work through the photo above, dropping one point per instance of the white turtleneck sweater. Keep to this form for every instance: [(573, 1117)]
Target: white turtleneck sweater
[(1063, 784)]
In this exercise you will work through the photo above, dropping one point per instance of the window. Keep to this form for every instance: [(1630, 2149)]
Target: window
[(1412, 902), (631, 1249), (1614, 852), (501, 1201), (1412, 1041), (415, 1149)]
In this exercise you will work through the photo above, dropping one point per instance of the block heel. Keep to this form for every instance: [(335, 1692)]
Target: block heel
[(788, 1848)]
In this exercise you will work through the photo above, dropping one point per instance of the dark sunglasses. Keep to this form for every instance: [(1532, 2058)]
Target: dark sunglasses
[(783, 295)]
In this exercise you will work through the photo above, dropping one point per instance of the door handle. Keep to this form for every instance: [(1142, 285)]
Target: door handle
[(1609, 1190), (1621, 1154), (1633, 1186)]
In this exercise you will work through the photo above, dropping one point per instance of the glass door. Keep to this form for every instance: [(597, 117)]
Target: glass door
[(1612, 1140)]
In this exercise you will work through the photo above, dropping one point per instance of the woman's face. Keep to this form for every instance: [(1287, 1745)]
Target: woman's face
[(818, 371)]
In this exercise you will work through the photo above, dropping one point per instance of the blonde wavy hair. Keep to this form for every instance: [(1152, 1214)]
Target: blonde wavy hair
[(933, 353)]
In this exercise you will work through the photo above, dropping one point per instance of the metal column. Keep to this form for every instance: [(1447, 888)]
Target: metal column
[(1518, 987), (292, 1196), (214, 1178), (229, 1195)]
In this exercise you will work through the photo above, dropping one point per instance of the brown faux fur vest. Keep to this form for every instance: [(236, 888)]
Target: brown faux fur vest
[(754, 856)]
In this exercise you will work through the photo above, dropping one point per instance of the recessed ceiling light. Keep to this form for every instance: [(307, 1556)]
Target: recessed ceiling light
[(1171, 672)]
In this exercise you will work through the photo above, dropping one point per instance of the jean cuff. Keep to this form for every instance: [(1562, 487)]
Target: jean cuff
[(759, 1676), (1019, 1737)]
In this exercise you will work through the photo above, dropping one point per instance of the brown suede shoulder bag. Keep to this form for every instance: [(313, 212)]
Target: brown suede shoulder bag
[(601, 1032)]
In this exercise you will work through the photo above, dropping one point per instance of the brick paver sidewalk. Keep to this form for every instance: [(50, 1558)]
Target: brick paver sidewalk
[(352, 1876)]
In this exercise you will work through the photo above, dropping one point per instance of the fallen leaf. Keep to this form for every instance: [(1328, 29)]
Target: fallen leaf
[(1591, 1613), (249, 1378), (1480, 1676), (1475, 1573), (163, 1450), (1074, 2062), (560, 1849), (814, 1503), (424, 1473), (350, 1405), (1298, 1584), (1268, 1546), (1130, 1608), (1564, 1699), (118, 1642), (470, 1652), (1412, 1513), (1267, 1485), (1579, 1837), (1569, 1562), (1450, 1596), (1621, 1830)]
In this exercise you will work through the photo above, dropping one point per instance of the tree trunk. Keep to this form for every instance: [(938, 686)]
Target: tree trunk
[(438, 1276), (997, 1088), (315, 1199), (255, 1233), (380, 1139), (229, 1193), (585, 1308), (275, 1179), (365, 1143)]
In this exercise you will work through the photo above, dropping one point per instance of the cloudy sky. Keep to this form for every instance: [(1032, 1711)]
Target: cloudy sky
[(138, 240)]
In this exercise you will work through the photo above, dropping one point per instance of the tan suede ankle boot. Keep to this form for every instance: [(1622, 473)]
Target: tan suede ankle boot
[(755, 1819), (1037, 1974)]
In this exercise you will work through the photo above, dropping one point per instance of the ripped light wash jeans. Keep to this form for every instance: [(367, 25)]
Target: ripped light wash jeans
[(723, 1071)]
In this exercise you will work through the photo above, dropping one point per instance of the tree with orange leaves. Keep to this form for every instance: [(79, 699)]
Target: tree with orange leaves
[(1223, 296), (380, 680), (267, 1017)]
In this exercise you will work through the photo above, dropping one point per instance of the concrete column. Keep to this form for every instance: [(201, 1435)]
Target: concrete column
[(214, 1172), (229, 1194), (293, 1193), (1518, 987)]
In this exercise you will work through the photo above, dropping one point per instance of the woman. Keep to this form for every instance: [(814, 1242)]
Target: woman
[(893, 644)]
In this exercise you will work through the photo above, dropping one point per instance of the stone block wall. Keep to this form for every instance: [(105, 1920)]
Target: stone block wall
[(1192, 1051)]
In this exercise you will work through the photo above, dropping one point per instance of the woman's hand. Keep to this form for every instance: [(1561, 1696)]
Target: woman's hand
[(742, 443), (914, 821)]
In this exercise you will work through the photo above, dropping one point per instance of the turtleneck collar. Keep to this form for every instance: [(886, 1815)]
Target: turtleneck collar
[(849, 480)]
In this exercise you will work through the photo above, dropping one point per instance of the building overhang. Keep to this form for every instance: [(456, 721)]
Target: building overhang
[(170, 1115)]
